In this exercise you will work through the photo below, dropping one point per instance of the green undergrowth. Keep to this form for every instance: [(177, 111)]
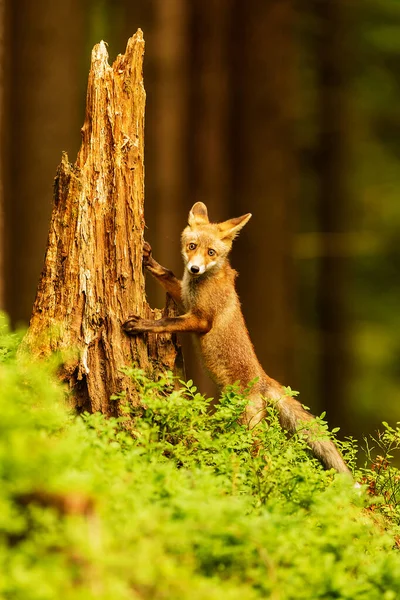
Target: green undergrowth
[(173, 502)]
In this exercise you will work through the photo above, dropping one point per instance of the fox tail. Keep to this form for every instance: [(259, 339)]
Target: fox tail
[(292, 415)]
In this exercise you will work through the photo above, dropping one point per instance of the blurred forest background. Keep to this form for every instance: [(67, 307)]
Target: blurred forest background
[(286, 109)]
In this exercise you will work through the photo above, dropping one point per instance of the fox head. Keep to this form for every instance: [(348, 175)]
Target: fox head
[(206, 245)]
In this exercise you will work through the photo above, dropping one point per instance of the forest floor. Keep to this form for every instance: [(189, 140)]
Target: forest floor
[(170, 501)]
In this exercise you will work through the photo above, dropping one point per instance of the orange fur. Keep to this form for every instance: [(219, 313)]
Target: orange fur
[(207, 297)]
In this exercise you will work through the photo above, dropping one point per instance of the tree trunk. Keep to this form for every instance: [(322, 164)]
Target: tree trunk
[(209, 104), (167, 160), (93, 277), (43, 115), (264, 176), (333, 160)]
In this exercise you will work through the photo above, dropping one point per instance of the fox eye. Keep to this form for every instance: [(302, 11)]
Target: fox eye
[(211, 252), (192, 246)]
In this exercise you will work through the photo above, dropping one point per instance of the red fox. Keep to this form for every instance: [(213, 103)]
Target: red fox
[(210, 308)]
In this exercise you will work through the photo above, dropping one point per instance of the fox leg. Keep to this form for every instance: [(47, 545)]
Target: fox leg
[(189, 322), (261, 393), (164, 276), (255, 410)]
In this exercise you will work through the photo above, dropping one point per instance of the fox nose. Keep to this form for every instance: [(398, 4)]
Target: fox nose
[(195, 269)]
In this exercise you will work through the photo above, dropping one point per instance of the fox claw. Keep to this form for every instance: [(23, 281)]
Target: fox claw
[(146, 253), (132, 325)]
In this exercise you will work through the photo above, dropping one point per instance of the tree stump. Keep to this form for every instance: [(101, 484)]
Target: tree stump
[(93, 277)]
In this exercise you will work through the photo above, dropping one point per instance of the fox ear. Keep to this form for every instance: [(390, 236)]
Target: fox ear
[(198, 215), (230, 229)]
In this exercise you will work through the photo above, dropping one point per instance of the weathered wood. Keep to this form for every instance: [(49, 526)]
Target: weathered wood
[(93, 277)]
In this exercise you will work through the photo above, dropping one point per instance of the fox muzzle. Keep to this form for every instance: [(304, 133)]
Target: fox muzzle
[(195, 269)]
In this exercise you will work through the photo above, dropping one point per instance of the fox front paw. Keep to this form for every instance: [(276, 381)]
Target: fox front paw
[(147, 258), (134, 324)]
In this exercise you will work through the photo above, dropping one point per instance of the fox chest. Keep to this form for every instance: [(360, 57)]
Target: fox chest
[(198, 298), (189, 298)]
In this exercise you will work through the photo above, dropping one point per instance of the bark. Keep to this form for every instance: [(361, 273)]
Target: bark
[(93, 277)]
